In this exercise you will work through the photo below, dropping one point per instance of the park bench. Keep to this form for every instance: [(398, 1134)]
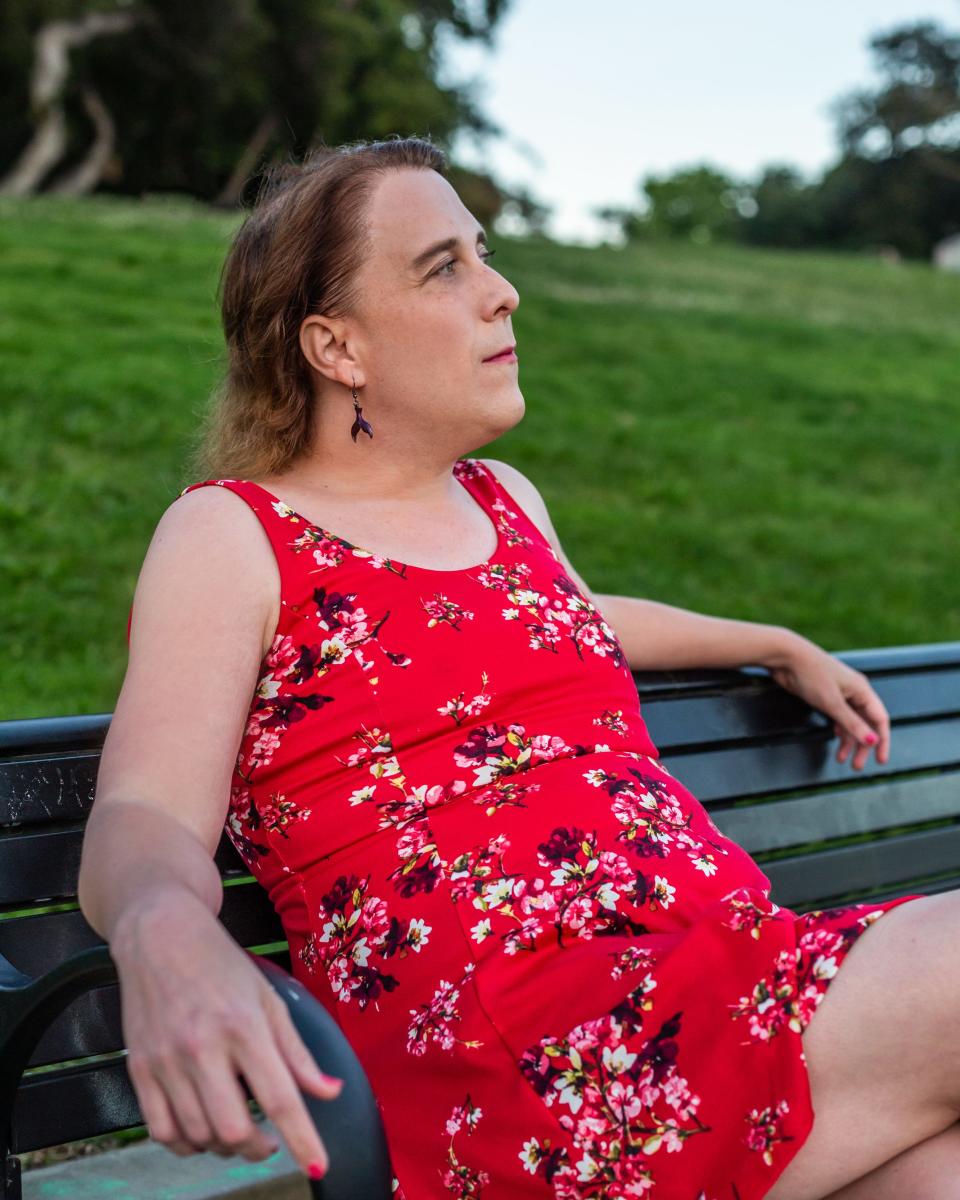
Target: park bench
[(761, 761)]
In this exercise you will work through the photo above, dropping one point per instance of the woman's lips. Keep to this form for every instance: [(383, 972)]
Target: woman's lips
[(509, 356)]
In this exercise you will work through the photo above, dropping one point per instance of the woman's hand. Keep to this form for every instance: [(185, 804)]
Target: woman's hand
[(837, 690), (196, 1012)]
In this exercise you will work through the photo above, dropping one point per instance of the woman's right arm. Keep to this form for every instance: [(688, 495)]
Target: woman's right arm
[(196, 1009)]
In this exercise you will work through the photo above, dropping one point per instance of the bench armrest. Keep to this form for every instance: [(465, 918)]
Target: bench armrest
[(350, 1125)]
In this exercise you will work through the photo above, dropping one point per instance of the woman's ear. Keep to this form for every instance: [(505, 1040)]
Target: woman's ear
[(322, 340)]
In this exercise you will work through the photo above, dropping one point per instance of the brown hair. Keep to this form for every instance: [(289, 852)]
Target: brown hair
[(297, 252)]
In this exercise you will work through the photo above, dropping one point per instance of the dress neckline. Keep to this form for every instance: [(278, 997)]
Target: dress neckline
[(458, 473)]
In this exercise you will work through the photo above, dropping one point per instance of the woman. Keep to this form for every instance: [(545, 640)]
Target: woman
[(424, 738)]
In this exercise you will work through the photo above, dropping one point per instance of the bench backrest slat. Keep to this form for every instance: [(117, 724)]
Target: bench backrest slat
[(813, 880), (763, 769), (841, 812)]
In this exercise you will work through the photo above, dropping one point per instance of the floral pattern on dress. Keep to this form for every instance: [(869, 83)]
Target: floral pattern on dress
[(790, 993), (562, 980), (622, 1106), (357, 935)]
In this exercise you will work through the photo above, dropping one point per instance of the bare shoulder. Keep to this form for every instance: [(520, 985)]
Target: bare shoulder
[(197, 634), (209, 544)]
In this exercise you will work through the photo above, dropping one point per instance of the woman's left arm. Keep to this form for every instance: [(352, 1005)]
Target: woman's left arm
[(657, 636)]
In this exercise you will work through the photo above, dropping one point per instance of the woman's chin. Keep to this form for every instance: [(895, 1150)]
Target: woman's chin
[(507, 414)]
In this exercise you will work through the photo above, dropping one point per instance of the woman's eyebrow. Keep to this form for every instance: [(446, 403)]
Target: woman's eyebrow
[(451, 243)]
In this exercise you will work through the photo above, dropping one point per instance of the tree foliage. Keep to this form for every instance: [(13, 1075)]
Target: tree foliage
[(201, 95), (896, 183)]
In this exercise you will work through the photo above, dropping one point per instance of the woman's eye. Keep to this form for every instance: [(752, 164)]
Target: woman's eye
[(443, 269)]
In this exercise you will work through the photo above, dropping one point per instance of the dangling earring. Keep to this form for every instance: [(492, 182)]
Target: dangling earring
[(359, 423)]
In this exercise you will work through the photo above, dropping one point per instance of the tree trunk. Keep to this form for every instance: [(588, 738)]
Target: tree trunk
[(84, 177), (51, 66), (229, 195)]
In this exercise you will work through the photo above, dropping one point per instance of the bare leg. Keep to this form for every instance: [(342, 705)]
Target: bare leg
[(928, 1171), (883, 1054)]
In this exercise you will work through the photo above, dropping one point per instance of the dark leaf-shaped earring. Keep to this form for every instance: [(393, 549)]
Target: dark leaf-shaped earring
[(359, 423)]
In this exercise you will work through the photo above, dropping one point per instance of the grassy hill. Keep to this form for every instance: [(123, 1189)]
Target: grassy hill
[(762, 435)]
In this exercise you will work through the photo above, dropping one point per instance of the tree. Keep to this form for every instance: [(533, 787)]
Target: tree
[(782, 210), (917, 102), (698, 203), (898, 181), (199, 97)]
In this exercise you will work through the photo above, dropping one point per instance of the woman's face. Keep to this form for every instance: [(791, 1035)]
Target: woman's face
[(426, 321)]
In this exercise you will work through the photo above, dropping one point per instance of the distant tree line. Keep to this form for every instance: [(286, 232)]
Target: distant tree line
[(895, 186), (198, 96)]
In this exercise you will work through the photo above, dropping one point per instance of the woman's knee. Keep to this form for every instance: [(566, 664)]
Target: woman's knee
[(890, 1019)]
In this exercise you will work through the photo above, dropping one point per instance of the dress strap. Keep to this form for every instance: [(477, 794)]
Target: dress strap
[(515, 526)]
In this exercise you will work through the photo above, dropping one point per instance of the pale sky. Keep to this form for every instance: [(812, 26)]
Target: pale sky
[(594, 96)]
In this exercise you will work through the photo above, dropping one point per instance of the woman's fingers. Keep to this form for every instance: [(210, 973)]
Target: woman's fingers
[(268, 1074), (866, 701), (158, 1115), (234, 1129), (170, 1097), (847, 742), (295, 1051), (859, 736)]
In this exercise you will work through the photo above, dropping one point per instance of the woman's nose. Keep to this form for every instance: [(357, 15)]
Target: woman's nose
[(504, 295)]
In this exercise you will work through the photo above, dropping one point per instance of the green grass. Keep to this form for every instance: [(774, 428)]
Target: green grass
[(762, 435)]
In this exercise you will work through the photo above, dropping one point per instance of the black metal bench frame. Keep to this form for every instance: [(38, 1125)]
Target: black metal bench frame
[(760, 760)]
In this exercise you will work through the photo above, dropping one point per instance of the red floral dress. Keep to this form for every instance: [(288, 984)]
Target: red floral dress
[(561, 978)]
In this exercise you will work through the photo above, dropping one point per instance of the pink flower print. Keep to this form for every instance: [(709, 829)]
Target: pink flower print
[(765, 1129), (818, 950), (544, 636), (357, 934), (545, 747), (459, 1179), (442, 611), (749, 911), (434, 1020), (775, 1003), (511, 535), (373, 742), (588, 627), (634, 958), (505, 793), (279, 812), (497, 751), (460, 710), (504, 577), (622, 1101), (612, 720)]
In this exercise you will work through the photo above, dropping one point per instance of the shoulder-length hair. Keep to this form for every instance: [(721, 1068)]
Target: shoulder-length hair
[(297, 252)]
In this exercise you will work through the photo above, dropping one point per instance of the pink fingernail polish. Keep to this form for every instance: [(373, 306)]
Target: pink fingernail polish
[(871, 739), (316, 1170)]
